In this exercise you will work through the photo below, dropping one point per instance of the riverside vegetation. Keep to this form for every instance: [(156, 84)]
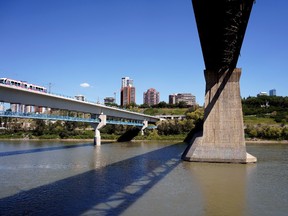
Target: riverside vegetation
[(265, 117)]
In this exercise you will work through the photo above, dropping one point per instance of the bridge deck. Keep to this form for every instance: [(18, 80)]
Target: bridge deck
[(11, 94)]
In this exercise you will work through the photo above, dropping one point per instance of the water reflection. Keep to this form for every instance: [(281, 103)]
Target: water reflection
[(138, 179), (97, 158), (223, 187)]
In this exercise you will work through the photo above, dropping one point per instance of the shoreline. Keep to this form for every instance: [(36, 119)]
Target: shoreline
[(247, 141), (266, 141)]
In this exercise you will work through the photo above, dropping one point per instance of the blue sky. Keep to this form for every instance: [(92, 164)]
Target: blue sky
[(71, 42)]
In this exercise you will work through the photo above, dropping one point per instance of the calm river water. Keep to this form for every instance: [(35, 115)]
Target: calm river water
[(137, 178)]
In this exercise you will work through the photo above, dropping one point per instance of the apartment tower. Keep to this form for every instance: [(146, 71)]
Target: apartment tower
[(128, 93), (151, 97)]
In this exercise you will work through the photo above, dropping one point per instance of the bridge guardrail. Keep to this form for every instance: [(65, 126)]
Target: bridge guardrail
[(64, 118)]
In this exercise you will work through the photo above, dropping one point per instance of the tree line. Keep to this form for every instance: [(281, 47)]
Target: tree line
[(162, 104), (275, 107)]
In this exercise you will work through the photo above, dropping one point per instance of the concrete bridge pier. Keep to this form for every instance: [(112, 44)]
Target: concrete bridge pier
[(145, 125), (102, 123), (222, 139)]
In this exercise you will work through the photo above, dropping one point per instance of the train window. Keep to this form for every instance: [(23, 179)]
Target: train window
[(2, 81)]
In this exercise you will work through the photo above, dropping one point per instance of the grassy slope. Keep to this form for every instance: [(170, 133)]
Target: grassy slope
[(165, 111), (253, 120)]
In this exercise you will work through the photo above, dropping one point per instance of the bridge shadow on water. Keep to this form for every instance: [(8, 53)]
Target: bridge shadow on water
[(109, 190), (44, 149)]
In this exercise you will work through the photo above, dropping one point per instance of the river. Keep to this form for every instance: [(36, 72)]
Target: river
[(137, 178)]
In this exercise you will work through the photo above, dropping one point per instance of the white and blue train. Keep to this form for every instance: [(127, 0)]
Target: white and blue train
[(22, 84)]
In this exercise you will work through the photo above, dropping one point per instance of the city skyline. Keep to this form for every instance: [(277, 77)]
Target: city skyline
[(46, 43)]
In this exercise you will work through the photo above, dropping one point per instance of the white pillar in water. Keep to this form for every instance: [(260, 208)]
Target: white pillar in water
[(102, 123)]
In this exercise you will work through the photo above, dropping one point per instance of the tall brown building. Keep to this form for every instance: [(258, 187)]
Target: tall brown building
[(128, 92)]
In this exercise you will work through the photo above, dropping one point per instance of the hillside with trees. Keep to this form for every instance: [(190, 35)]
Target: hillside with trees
[(266, 117), (274, 107)]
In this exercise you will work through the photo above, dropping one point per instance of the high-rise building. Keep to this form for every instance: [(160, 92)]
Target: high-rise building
[(272, 92), (126, 81), (188, 98), (39, 109), (17, 107), (172, 99), (151, 97), (29, 109), (128, 92), (22, 108)]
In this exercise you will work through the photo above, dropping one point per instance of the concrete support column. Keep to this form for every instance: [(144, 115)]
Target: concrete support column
[(102, 123), (223, 138), (145, 125)]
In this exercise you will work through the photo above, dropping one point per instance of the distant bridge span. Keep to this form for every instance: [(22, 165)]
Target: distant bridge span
[(11, 94), (103, 114)]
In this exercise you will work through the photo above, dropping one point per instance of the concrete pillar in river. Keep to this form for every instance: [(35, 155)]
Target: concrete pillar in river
[(222, 139), (145, 125), (102, 123)]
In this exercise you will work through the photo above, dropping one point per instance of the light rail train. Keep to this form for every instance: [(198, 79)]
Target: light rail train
[(22, 84)]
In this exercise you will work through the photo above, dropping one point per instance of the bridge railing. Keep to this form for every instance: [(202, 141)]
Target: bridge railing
[(45, 117), (132, 123), (67, 118)]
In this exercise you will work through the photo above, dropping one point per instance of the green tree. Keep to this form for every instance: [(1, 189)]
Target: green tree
[(144, 106), (162, 104), (272, 132), (40, 127), (251, 131), (70, 125), (195, 115), (285, 133), (182, 104)]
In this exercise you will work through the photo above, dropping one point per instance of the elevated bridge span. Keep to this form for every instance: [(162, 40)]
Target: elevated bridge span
[(102, 114), (11, 94)]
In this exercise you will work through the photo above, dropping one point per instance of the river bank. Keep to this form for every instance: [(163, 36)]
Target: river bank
[(258, 141), (248, 141)]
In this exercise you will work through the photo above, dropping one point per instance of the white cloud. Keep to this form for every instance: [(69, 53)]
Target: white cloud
[(85, 85)]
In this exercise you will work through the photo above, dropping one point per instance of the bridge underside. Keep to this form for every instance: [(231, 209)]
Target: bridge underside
[(221, 26)]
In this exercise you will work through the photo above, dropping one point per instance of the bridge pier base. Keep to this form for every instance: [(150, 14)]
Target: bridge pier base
[(222, 139), (102, 123)]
